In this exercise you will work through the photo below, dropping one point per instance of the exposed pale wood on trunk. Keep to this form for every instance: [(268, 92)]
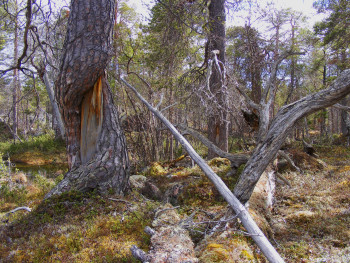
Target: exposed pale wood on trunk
[(91, 121)]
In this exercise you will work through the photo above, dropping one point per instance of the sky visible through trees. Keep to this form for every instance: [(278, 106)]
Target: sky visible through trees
[(303, 6)]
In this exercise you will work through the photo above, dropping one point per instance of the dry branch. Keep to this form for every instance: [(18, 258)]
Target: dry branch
[(289, 160), (28, 209), (236, 159), (247, 221)]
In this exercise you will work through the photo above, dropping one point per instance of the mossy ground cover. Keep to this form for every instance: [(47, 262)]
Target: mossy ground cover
[(39, 150), (311, 219), (309, 222), (77, 227)]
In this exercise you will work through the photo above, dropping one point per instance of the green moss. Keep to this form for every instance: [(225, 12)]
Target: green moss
[(245, 254), (215, 253), (44, 143), (156, 170)]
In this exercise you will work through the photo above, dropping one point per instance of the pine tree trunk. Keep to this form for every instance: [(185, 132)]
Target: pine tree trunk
[(96, 148), (217, 122)]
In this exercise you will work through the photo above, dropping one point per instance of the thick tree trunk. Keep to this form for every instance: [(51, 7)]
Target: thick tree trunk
[(279, 129), (217, 122), (96, 146)]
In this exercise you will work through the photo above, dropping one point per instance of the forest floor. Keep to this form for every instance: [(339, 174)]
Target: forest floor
[(309, 221)]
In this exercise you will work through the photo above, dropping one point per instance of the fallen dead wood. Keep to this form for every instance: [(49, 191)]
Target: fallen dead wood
[(173, 162), (289, 160), (28, 209), (280, 128), (247, 221), (309, 149), (170, 241), (236, 159)]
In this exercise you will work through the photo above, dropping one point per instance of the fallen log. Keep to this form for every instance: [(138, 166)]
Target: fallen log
[(170, 241), (28, 209), (257, 235)]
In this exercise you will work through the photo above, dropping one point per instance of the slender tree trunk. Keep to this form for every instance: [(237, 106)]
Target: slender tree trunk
[(56, 115), (217, 122), (15, 78), (96, 147), (344, 116)]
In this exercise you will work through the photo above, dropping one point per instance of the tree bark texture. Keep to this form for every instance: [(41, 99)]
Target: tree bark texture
[(279, 129), (96, 146), (217, 121)]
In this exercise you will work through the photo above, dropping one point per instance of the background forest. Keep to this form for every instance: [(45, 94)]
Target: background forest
[(222, 86)]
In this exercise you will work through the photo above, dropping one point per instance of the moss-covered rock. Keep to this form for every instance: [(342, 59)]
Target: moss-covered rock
[(156, 169)]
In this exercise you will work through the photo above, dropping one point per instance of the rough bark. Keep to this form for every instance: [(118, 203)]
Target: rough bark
[(217, 121), (96, 147), (279, 129), (242, 213)]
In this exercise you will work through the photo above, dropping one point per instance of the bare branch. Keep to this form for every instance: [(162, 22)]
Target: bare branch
[(270, 88), (244, 94), (257, 235), (280, 127), (341, 107), (236, 159)]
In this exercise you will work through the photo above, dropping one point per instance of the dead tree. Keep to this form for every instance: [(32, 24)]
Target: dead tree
[(280, 128), (242, 213), (217, 119)]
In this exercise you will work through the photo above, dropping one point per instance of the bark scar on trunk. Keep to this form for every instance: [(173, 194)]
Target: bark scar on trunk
[(91, 121)]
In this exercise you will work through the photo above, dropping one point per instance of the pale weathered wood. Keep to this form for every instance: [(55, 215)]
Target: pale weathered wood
[(247, 221), (236, 159), (280, 128), (55, 109)]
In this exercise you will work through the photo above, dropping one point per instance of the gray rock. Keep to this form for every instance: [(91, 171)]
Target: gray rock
[(137, 181)]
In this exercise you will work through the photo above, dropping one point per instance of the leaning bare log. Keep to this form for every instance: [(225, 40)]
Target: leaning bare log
[(279, 129), (236, 159), (247, 221)]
